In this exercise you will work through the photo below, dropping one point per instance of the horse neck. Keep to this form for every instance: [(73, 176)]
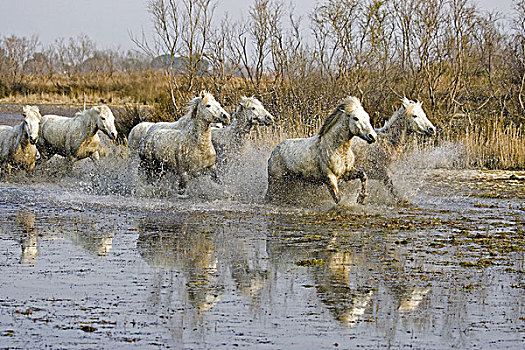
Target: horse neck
[(395, 131), (240, 126), (21, 136), (337, 137), (200, 131), (89, 122)]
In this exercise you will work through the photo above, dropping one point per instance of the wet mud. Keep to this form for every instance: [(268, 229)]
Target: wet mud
[(93, 258)]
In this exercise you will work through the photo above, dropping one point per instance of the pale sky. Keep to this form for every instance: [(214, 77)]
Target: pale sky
[(108, 22)]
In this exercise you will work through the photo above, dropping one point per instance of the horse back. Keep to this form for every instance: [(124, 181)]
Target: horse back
[(296, 157), (6, 136), (136, 134), (53, 133)]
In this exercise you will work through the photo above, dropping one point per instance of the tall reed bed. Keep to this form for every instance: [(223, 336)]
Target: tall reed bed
[(488, 139), (494, 145)]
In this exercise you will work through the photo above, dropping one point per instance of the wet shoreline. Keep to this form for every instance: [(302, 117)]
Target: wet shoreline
[(443, 272)]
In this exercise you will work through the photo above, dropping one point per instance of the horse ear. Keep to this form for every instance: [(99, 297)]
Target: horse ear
[(405, 101), (26, 109), (244, 99)]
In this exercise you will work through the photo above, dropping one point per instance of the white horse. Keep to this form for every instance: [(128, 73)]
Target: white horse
[(230, 140), (187, 152), (76, 138), (17, 144), (376, 159), (325, 157)]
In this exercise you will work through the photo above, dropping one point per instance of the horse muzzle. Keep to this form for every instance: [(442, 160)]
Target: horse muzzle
[(370, 138), (268, 121), (225, 119), (430, 131), (33, 140)]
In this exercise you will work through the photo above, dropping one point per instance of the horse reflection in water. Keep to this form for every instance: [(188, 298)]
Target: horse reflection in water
[(81, 232), (205, 258), (187, 250), (29, 237), (354, 276)]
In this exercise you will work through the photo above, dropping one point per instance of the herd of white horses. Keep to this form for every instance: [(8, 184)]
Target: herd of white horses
[(195, 145)]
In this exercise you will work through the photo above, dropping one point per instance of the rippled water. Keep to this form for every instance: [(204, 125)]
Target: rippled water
[(94, 259)]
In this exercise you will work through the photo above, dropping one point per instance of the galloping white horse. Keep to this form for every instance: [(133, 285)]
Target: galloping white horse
[(17, 144), (230, 140), (325, 157), (376, 159), (188, 152), (227, 141), (76, 138)]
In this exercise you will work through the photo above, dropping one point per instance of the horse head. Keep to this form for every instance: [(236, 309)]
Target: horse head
[(106, 121), (417, 120), (32, 120), (256, 114), (206, 108), (359, 120)]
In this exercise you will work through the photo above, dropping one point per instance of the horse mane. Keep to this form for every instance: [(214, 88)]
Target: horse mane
[(81, 113), (194, 103), (410, 105), (347, 105), (406, 109), (397, 114)]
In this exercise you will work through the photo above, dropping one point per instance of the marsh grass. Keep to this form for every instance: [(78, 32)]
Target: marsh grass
[(494, 146)]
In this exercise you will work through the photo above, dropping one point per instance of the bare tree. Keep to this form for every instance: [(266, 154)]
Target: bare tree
[(14, 53)]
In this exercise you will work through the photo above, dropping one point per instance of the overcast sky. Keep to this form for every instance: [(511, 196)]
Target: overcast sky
[(109, 22)]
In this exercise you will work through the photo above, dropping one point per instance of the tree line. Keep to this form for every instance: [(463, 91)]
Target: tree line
[(467, 65)]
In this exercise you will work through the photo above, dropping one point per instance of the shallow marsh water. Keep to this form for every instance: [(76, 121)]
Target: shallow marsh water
[(94, 259)]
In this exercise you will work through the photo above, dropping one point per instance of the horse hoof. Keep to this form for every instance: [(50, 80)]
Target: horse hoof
[(361, 199), (403, 203)]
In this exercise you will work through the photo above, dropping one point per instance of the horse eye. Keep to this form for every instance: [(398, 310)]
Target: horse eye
[(253, 108), (208, 106), (356, 119), (414, 116), (102, 118)]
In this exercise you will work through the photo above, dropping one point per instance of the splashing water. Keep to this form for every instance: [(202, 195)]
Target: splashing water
[(243, 180)]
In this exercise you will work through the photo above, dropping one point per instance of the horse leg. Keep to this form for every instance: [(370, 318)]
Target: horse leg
[(95, 157), (3, 171), (214, 175), (148, 169), (69, 164), (274, 192), (183, 182), (387, 180), (333, 188), (361, 175)]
